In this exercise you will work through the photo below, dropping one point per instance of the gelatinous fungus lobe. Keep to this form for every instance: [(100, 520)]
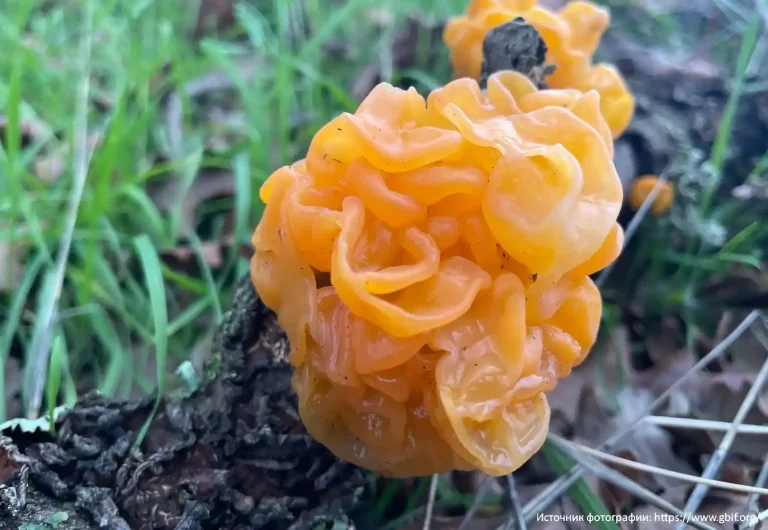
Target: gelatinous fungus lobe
[(571, 35), (428, 260), (641, 189)]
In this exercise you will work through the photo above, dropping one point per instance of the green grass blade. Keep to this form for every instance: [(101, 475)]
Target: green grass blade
[(722, 139), (585, 498), (153, 277), (243, 209), (33, 363), (761, 166), (147, 209), (185, 183), (741, 238), (188, 315), (12, 320), (107, 335), (339, 18), (210, 283), (53, 384), (184, 281), (384, 499)]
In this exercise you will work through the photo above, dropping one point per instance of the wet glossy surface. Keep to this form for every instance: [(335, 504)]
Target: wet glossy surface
[(428, 262)]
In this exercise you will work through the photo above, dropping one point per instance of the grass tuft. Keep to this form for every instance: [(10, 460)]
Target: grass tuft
[(150, 263)]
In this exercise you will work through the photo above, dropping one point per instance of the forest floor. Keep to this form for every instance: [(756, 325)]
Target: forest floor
[(135, 137)]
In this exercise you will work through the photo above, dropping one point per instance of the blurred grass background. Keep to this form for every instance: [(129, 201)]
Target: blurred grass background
[(136, 135)]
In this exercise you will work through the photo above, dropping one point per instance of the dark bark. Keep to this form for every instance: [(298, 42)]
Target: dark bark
[(516, 46), (232, 455)]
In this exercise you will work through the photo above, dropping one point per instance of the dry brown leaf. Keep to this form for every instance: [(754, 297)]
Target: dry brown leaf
[(669, 368), (721, 398), (207, 186), (737, 472), (8, 466), (647, 443), (618, 499), (596, 373), (736, 283), (747, 354), (565, 397)]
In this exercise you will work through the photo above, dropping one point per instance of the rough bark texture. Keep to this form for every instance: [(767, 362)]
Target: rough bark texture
[(516, 46), (232, 455)]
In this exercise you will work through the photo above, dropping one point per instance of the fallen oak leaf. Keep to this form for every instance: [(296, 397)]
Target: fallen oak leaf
[(618, 499), (602, 371), (719, 399), (647, 443), (565, 398)]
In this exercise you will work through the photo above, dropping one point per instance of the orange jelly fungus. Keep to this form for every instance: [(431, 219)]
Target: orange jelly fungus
[(571, 35), (429, 263), (642, 188)]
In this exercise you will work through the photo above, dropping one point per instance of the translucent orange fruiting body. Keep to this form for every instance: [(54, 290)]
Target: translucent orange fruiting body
[(428, 261), (571, 35), (643, 186)]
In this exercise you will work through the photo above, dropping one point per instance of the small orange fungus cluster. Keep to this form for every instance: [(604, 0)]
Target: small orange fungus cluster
[(571, 35), (429, 262), (642, 188)]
